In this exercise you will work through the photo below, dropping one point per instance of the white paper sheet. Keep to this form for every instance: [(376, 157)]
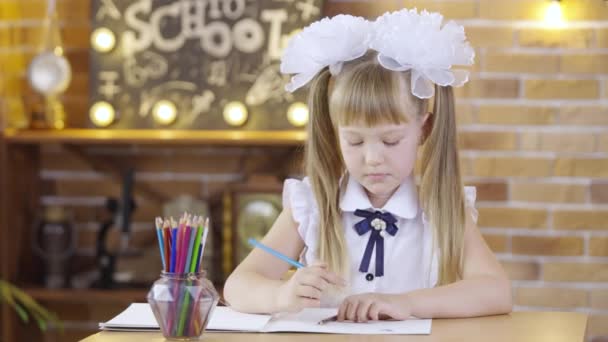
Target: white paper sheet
[(139, 317), (307, 319)]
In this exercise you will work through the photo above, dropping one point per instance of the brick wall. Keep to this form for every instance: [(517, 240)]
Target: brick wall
[(533, 133)]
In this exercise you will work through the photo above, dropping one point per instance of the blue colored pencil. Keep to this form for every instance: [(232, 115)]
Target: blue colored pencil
[(159, 235), (173, 248), (274, 253)]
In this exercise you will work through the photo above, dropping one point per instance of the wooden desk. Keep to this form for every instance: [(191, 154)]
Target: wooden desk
[(516, 327)]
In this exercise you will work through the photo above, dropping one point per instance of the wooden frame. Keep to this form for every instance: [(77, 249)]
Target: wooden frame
[(20, 185), (257, 194)]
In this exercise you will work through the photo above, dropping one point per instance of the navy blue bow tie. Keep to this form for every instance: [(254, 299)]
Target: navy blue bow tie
[(380, 224)]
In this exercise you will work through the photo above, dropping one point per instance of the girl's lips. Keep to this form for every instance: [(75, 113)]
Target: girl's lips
[(376, 176)]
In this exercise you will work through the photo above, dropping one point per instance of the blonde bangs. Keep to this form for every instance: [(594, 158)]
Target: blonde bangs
[(371, 95)]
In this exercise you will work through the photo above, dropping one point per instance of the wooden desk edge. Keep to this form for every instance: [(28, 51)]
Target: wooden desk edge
[(577, 328)]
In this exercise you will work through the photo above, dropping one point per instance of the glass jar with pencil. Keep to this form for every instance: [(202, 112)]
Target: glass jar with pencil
[(183, 298)]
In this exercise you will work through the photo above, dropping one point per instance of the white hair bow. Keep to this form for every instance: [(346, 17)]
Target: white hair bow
[(328, 42), (405, 40)]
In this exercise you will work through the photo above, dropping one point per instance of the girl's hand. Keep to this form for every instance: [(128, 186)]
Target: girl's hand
[(305, 287), (374, 306)]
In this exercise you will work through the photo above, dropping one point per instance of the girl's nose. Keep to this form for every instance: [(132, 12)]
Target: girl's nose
[(373, 155)]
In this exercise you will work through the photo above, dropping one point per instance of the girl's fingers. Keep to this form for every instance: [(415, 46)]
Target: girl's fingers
[(342, 311), (388, 311), (314, 281), (308, 292), (309, 303), (330, 277), (321, 272), (351, 311), (362, 311), (374, 312)]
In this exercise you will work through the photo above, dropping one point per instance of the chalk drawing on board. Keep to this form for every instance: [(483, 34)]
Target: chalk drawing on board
[(217, 73), (268, 86), (307, 9), (149, 98), (107, 8), (150, 66), (108, 87)]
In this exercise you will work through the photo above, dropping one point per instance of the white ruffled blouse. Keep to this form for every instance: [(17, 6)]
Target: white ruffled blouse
[(408, 263)]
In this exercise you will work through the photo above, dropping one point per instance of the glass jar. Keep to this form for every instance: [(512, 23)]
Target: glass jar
[(182, 304)]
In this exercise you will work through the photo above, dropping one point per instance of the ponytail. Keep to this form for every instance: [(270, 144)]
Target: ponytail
[(442, 194), (324, 167)]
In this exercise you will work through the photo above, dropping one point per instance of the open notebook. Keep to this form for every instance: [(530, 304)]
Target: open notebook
[(139, 317)]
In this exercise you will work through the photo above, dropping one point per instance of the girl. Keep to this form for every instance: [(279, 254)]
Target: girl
[(370, 243)]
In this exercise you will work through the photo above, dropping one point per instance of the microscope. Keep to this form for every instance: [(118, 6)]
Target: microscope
[(121, 211)]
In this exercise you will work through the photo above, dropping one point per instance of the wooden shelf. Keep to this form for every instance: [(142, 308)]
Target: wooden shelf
[(87, 295), (155, 137)]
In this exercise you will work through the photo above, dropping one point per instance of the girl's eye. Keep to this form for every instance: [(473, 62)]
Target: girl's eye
[(355, 143), (391, 143)]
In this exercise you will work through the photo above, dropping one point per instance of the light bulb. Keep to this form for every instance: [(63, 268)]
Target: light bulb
[(164, 112), (102, 114), (553, 15), (235, 113), (103, 39), (297, 114)]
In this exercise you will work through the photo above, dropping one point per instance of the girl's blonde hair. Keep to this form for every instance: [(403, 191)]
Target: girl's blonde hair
[(367, 93)]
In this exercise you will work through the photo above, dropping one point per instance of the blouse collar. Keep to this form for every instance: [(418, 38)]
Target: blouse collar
[(403, 202)]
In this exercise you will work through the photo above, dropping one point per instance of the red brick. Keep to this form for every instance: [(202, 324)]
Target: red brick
[(521, 63), (511, 10), (551, 297), (598, 246), (564, 38), (516, 115), (497, 243), (582, 167), (483, 37), (575, 272), (542, 245), (522, 270), (512, 167), (488, 88), (491, 191), (512, 217), (487, 140), (599, 192), (584, 115), (561, 89), (581, 219), (548, 192)]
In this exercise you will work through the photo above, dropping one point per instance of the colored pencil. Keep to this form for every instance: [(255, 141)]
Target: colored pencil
[(197, 242), (191, 241), (159, 235), (274, 253), (173, 247), (167, 237)]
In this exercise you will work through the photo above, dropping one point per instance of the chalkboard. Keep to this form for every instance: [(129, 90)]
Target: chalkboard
[(200, 55)]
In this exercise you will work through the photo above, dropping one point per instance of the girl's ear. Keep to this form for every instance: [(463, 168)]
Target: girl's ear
[(427, 126)]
